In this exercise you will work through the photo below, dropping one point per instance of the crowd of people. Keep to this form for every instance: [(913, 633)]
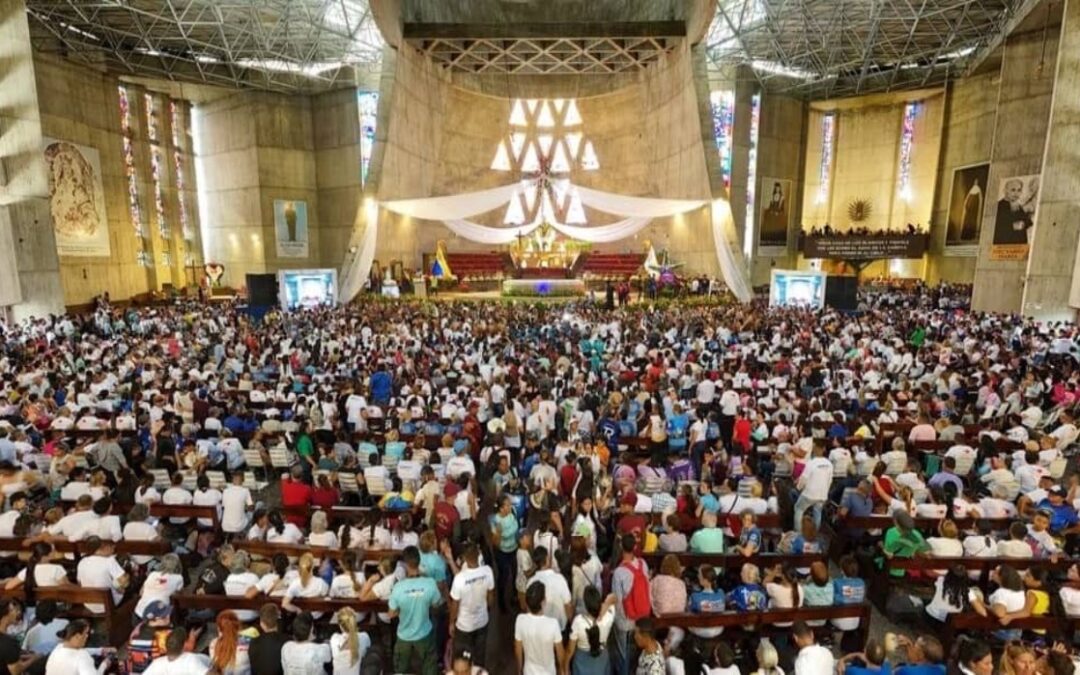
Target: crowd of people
[(457, 472)]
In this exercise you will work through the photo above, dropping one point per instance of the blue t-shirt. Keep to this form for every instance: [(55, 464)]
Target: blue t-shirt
[(413, 599), (849, 591), (748, 598), (433, 565), (883, 669), (676, 429), (1061, 517), (750, 536), (710, 503), (507, 528), (707, 601), (921, 669), (609, 429)]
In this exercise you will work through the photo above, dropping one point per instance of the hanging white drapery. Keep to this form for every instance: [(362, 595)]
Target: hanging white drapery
[(602, 234), (456, 207), (636, 207), (488, 235), (732, 267), (357, 274)]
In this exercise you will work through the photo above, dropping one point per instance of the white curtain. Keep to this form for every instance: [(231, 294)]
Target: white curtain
[(356, 275), (456, 207), (636, 207), (732, 266), (488, 235), (602, 234)]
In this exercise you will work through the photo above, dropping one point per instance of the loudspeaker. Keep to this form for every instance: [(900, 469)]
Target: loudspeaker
[(842, 293), (262, 289)]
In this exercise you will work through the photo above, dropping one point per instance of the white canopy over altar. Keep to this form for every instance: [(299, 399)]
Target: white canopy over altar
[(454, 210)]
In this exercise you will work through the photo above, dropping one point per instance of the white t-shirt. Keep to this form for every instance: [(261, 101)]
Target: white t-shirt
[(158, 586), (556, 595), (817, 479), (67, 661), (210, 497), (234, 503), (538, 635), (470, 590), (305, 658), (97, 571), (177, 496), (45, 574), (1070, 600), (1013, 601), (236, 585), (185, 664), (814, 660), (579, 628), (342, 657), (140, 531), (290, 535)]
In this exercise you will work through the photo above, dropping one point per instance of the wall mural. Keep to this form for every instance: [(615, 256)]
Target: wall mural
[(1014, 217), (775, 213), (966, 203), (77, 199), (291, 228)]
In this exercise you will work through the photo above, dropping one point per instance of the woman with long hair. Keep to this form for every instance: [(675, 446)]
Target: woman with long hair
[(348, 646), (281, 532), (306, 585), (229, 650), (973, 657), (40, 571), (768, 660), (1018, 659)]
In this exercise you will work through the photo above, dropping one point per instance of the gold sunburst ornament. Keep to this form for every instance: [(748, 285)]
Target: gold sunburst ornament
[(859, 210)]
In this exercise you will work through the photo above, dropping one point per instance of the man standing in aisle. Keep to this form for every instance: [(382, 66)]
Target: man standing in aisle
[(411, 602), (471, 596)]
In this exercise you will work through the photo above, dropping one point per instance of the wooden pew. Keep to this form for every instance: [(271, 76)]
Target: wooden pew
[(984, 565), (73, 601), (884, 522), (973, 623), (341, 514), (222, 602), (160, 510), (735, 562), (151, 548), (269, 550), (765, 621)]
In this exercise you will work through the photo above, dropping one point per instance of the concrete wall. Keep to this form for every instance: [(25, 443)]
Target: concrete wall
[(1023, 112), (441, 140), (29, 267), (967, 138), (82, 106), (781, 140)]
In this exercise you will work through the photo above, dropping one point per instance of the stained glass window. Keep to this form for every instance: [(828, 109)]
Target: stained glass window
[(907, 142), (178, 170), (129, 165), (828, 133), (155, 165), (723, 116), (369, 115), (751, 182)]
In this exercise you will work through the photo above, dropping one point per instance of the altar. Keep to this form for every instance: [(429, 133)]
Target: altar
[(553, 288), (542, 251)]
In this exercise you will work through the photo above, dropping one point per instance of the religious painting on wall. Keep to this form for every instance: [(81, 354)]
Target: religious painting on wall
[(291, 228), (967, 203), (1014, 217), (76, 199), (775, 215)]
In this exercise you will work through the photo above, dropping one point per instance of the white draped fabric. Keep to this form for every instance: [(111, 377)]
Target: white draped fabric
[(456, 207), (356, 275), (488, 235), (732, 267), (636, 207), (602, 234)]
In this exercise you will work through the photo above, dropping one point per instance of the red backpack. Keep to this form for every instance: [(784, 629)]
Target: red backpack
[(636, 604)]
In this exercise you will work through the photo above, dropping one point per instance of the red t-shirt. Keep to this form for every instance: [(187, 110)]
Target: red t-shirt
[(567, 478), (324, 498), (294, 493), (635, 524)]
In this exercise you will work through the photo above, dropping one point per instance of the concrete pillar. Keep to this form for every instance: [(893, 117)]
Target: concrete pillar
[(1052, 291), (29, 266), (1023, 114)]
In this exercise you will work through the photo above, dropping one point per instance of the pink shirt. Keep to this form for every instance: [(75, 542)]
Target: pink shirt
[(922, 432), (668, 595)]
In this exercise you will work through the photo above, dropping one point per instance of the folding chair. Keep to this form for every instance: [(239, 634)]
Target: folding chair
[(217, 479), (279, 458), (161, 478), (251, 484), (347, 482), (254, 460)]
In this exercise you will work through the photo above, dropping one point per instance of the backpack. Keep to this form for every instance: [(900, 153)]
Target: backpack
[(636, 603)]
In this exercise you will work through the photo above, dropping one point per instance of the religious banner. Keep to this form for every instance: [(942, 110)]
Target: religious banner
[(966, 205), (291, 228), (775, 216), (1014, 217), (864, 247), (76, 199)]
